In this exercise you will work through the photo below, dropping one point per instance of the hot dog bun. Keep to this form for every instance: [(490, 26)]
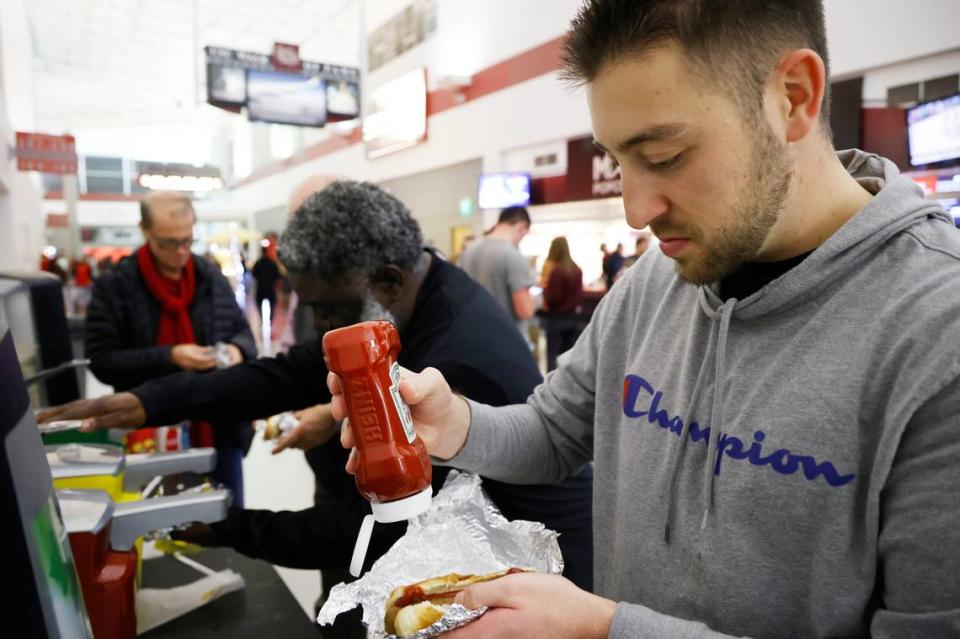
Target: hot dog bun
[(417, 606), (410, 619)]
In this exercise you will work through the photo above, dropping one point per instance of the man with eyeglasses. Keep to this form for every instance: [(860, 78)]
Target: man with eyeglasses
[(161, 311)]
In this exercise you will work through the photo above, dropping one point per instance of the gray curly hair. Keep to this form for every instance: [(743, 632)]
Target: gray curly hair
[(350, 229)]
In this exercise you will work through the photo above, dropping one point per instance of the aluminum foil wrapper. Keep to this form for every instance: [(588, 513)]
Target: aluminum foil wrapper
[(221, 353), (463, 532)]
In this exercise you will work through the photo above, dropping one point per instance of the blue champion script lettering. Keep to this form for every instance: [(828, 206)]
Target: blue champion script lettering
[(641, 399)]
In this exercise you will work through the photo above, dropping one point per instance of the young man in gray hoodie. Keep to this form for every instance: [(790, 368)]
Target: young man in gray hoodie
[(772, 401)]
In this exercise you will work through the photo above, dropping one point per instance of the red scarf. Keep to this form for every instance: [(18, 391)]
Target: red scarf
[(173, 327), (174, 296)]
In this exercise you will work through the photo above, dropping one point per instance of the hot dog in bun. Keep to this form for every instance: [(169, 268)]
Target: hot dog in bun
[(420, 605)]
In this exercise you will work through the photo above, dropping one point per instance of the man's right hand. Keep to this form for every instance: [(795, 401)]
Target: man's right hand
[(122, 410), (442, 419), (193, 357)]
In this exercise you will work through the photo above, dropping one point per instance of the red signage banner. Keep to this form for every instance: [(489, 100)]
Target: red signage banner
[(287, 56), (591, 173), (58, 221), (46, 153), (928, 182)]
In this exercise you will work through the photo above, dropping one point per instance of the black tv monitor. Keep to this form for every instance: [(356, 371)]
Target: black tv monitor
[(226, 86), (500, 190), (933, 132), (286, 98), (42, 588)]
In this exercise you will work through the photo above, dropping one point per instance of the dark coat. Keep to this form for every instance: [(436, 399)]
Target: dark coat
[(121, 330), (457, 327)]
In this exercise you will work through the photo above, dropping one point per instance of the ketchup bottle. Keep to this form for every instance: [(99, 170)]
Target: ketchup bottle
[(393, 470)]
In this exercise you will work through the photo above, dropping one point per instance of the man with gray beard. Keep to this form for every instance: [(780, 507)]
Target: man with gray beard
[(355, 253)]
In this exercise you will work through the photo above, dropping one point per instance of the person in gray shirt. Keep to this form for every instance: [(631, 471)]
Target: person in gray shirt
[(496, 263), (772, 398)]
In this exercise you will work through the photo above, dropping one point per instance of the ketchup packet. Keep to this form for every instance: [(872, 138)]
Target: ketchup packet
[(463, 532)]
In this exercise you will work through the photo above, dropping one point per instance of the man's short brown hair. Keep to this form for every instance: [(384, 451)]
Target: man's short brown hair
[(180, 201), (731, 43), (514, 215)]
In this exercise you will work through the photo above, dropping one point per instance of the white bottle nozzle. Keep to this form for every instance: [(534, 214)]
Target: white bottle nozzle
[(360, 549), (385, 513)]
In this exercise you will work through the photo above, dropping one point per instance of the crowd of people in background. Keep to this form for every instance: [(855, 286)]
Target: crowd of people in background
[(614, 262), (555, 301), (493, 259), (77, 275)]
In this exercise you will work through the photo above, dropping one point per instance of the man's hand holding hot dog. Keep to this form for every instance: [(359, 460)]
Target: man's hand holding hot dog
[(441, 417), (534, 605), (522, 605)]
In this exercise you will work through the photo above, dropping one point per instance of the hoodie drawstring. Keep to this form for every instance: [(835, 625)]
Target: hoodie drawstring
[(716, 417), (684, 433)]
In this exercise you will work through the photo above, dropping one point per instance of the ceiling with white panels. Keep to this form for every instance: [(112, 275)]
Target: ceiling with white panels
[(106, 63)]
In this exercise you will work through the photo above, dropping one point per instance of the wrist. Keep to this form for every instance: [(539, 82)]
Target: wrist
[(458, 429), (599, 623)]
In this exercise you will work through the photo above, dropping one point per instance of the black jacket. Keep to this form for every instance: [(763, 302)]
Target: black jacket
[(265, 274), (458, 328), (121, 330)]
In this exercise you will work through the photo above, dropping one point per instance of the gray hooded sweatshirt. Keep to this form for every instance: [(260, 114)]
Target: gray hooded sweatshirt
[(785, 465)]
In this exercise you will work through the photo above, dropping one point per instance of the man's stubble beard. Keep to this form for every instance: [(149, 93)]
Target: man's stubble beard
[(754, 214)]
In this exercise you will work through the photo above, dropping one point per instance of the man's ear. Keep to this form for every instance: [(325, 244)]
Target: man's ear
[(390, 281), (799, 86)]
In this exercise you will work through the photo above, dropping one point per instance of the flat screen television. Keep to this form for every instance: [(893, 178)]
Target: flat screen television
[(933, 132), (226, 87), (500, 190), (226, 84), (286, 98)]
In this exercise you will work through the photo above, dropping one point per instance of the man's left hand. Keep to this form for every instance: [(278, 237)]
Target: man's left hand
[(316, 428), (535, 605)]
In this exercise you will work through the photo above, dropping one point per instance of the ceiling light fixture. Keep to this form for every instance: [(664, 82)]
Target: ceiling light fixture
[(179, 177)]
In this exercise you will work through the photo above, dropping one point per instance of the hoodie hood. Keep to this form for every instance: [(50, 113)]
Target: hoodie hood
[(898, 203)]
